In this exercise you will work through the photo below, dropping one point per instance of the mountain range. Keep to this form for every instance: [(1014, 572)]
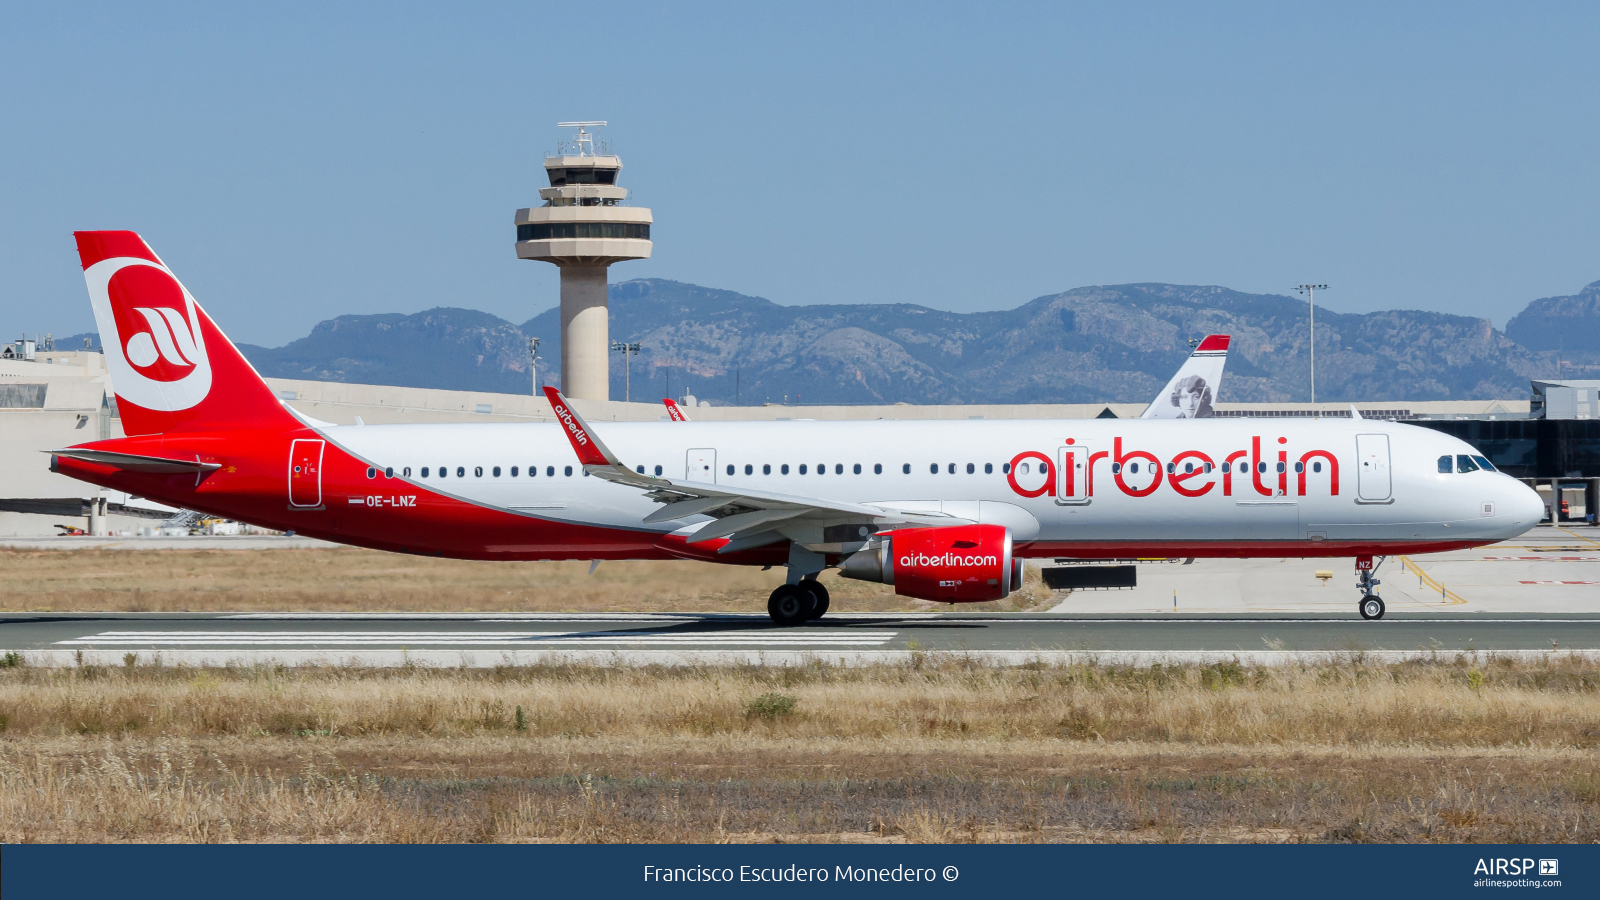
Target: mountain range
[(1115, 343)]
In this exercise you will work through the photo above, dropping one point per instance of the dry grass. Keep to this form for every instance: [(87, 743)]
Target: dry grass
[(940, 750), (363, 580)]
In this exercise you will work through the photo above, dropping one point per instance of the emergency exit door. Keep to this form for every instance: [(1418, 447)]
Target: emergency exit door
[(701, 465), (305, 474), (1072, 475), (1373, 481)]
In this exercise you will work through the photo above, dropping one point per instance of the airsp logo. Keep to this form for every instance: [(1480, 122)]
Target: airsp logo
[(150, 327)]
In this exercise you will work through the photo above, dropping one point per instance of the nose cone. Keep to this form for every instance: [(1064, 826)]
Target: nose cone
[(1524, 504)]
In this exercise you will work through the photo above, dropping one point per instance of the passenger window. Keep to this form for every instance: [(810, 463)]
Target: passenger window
[(905, 469), (1188, 467), (1208, 468), (952, 468), (838, 468), (550, 471), (766, 468), (1299, 467), (877, 468), (856, 469), (802, 468), (658, 470), (477, 472), (497, 471), (1006, 468), (406, 472), (730, 468), (822, 469), (1024, 468), (1115, 467), (1280, 468), (749, 469), (988, 468), (373, 473), (933, 468), (1464, 463), (783, 469), (569, 471), (424, 471), (1316, 466), (1261, 467), (444, 472), (461, 471), (513, 471), (971, 468), (1484, 464), (639, 469), (388, 472), (1444, 465), (1134, 468)]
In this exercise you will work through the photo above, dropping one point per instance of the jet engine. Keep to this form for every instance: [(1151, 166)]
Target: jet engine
[(951, 564)]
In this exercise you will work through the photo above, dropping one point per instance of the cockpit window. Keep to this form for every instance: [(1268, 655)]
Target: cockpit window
[(1444, 465), (1464, 463), (1484, 464)]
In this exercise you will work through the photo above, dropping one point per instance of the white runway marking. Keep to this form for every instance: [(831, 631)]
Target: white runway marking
[(763, 638), (572, 617)]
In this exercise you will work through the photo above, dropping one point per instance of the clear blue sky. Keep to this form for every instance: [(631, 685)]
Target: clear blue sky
[(296, 163)]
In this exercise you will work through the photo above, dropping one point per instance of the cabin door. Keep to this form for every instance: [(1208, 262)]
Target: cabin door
[(305, 474)]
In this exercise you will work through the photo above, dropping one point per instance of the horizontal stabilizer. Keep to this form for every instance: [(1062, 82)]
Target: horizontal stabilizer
[(128, 462)]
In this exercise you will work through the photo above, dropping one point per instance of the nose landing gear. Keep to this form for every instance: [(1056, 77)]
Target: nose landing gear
[(1371, 605)]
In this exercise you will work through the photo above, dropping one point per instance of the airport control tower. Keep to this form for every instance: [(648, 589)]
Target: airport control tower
[(583, 228)]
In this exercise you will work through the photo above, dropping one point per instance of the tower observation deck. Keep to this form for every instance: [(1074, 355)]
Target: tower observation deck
[(583, 228)]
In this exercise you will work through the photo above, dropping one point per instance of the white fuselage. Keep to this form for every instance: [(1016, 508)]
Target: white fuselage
[(1390, 490)]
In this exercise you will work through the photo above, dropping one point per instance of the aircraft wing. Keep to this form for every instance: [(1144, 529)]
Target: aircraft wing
[(1192, 391), (737, 512)]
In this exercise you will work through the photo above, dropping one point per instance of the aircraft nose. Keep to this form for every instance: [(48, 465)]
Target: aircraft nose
[(1525, 505)]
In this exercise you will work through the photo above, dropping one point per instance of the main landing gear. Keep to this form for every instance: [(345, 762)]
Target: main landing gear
[(796, 604), (1371, 604)]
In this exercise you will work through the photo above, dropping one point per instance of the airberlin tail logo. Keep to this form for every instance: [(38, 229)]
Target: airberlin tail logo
[(150, 327)]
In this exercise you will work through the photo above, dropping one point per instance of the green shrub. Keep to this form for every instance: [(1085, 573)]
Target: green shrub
[(771, 706)]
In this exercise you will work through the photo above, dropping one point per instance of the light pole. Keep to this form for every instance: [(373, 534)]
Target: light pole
[(1310, 290), (628, 351), (533, 363)]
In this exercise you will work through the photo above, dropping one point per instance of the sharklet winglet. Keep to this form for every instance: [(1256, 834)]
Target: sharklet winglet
[(591, 452)]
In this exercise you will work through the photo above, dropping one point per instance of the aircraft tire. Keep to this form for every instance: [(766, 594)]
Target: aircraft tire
[(1371, 607), (821, 593), (791, 604)]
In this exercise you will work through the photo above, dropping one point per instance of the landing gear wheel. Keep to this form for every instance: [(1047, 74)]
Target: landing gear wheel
[(821, 593), (791, 604), (1371, 607)]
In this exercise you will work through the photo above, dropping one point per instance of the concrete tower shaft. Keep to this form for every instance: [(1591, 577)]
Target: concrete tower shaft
[(583, 228)]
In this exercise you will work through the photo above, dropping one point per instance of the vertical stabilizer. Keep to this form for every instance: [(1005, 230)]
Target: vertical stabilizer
[(1191, 393), (171, 368)]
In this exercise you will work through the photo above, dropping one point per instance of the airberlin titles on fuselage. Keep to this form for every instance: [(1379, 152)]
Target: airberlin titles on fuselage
[(1190, 473)]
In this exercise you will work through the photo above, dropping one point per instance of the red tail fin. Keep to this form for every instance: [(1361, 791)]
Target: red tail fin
[(171, 367)]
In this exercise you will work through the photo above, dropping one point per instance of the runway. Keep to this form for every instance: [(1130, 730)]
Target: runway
[(460, 639)]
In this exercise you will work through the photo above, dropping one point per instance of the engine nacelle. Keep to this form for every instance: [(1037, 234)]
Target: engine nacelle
[(951, 564)]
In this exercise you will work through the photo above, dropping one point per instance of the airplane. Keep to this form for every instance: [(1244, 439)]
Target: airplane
[(1192, 390), (941, 510), (673, 411)]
